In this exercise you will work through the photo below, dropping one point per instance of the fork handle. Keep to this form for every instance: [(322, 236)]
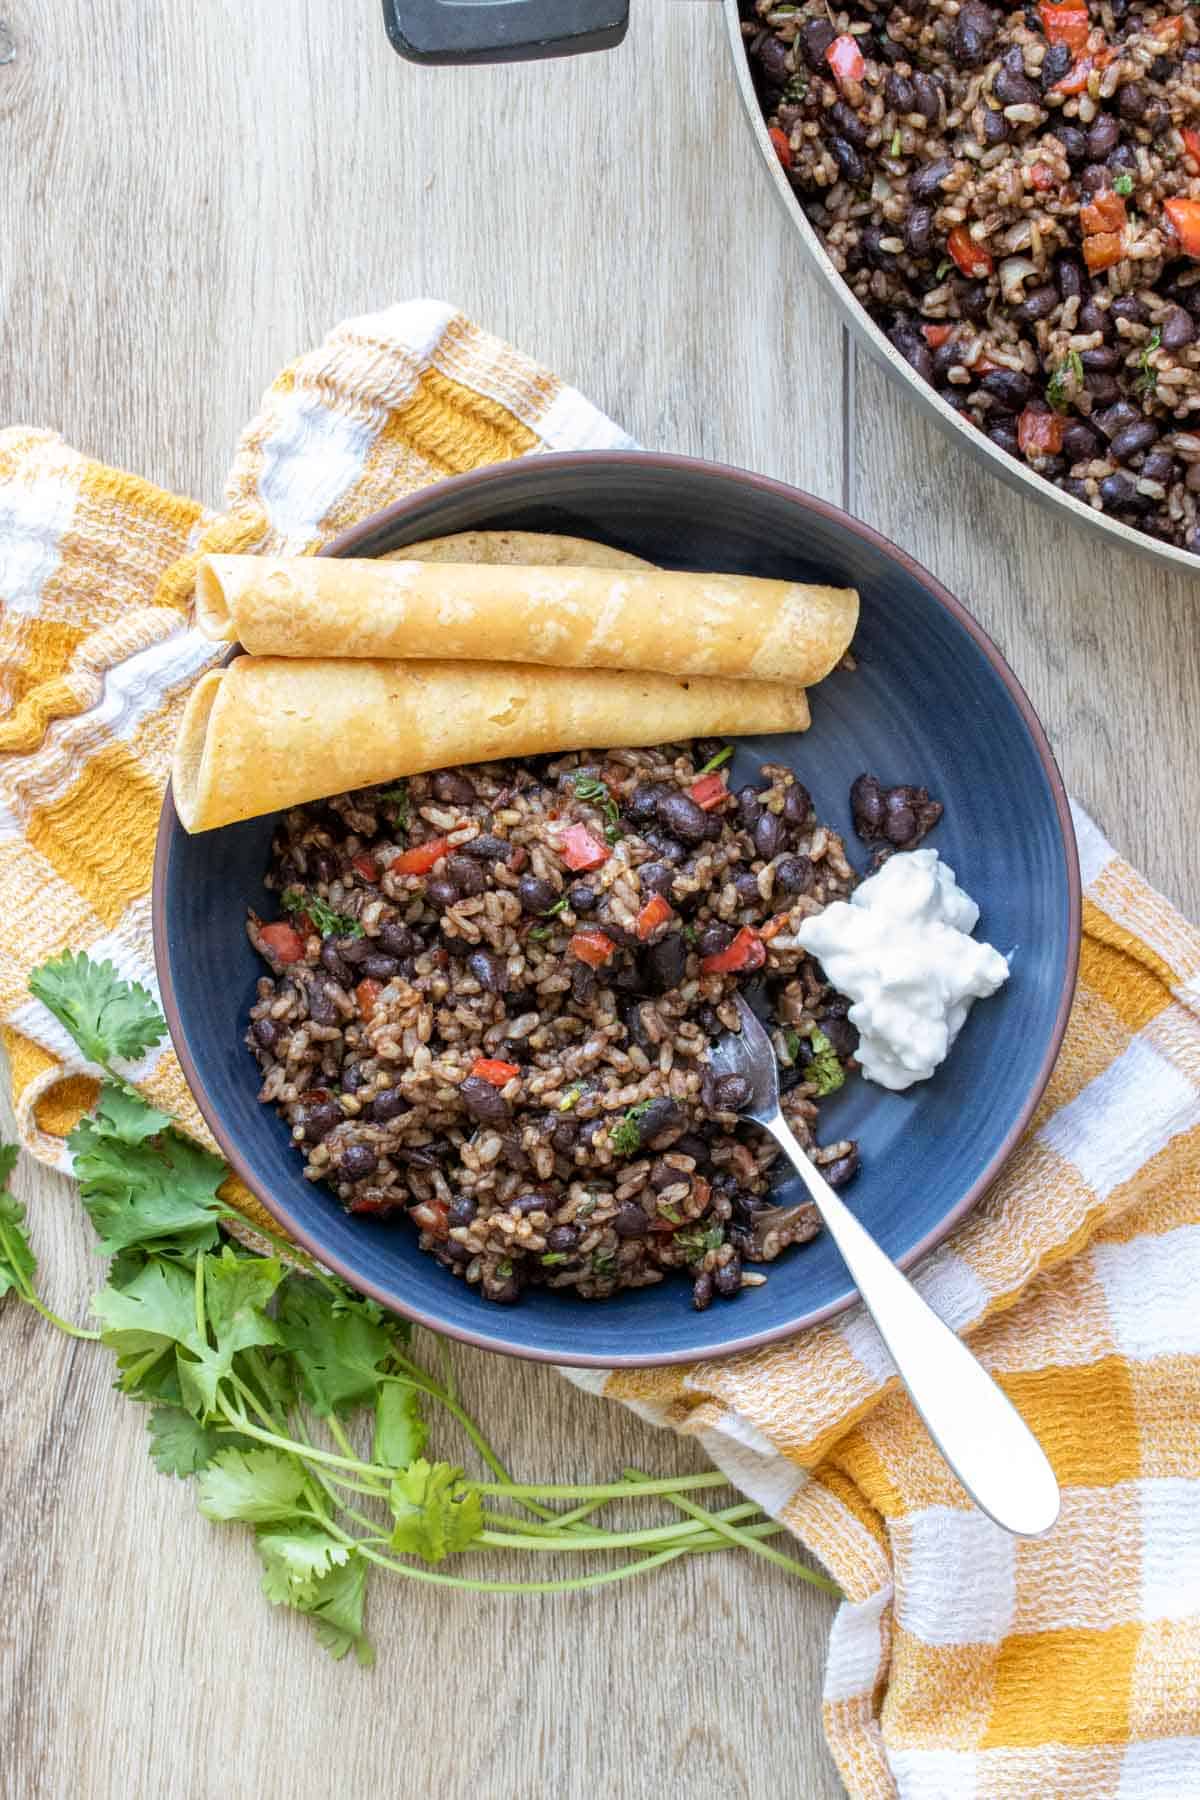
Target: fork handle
[(975, 1426)]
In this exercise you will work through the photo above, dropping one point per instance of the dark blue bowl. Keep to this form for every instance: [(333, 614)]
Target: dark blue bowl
[(931, 701)]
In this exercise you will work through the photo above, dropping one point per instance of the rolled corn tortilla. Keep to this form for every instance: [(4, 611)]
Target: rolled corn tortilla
[(736, 627), (548, 548), (269, 732)]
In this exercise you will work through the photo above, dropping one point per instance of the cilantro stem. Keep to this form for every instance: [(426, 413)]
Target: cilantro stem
[(198, 1289), (610, 1490), (290, 1251), (425, 1384), (605, 1540), (573, 1584), (333, 1426), (737, 1536), (446, 1365), (53, 1318)]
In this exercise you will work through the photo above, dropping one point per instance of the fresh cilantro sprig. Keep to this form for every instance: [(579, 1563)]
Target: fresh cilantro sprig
[(824, 1071), (626, 1136), (322, 916), (1068, 374), (596, 793), (1147, 380), (253, 1372)]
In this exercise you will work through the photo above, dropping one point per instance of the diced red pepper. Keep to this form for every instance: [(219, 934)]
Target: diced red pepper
[(1066, 24), (432, 1216), (1040, 433), (283, 942), (773, 927), (1104, 212), (1103, 249), (783, 149), (490, 1068), (936, 335), (1171, 29), (746, 952), (372, 1204), (846, 59), (592, 947), (1077, 77), (656, 912), (1042, 176), (580, 850), (709, 791), (974, 260), (364, 864), (421, 858), (1191, 142), (367, 993), (1183, 220)]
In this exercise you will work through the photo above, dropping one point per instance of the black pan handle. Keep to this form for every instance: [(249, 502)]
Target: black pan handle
[(489, 31)]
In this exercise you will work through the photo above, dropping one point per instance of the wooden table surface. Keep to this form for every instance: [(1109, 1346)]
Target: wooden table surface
[(192, 194)]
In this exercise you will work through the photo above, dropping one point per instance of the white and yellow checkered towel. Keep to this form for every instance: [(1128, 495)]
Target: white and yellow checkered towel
[(962, 1663)]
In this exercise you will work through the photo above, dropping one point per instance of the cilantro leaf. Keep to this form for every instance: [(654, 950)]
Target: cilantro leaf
[(179, 1445), (1147, 381), (337, 1345), (1123, 184), (626, 1137), (336, 1610), (107, 1016), (156, 1311), (322, 916), (144, 1185), (236, 1289), (596, 793), (435, 1510), (1069, 373), (718, 761), (400, 1431), (258, 1485), (295, 1561), (18, 1264), (791, 1044), (397, 798), (126, 1117), (824, 1071)]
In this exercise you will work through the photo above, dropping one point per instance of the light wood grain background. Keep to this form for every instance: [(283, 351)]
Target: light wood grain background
[(192, 192)]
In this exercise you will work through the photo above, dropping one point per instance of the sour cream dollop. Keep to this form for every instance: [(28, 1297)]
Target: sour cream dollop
[(900, 949)]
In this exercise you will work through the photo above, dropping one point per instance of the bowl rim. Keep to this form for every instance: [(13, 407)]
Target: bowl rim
[(346, 543)]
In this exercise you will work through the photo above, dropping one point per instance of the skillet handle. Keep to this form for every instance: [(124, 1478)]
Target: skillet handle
[(491, 31)]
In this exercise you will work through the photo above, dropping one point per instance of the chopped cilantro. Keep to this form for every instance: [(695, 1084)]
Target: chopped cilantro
[(596, 793), (322, 916), (791, 1044), (397, 798), (1147, 381), (895, 147), (604, 1262), (824, 1071), (539, 934), (1123, 185), (689, 934), (1068, 371), (717, 762), (560, 905), (504, 1269), (571, 1096), (796, 87), (552, 1257), (697, 1240), (626, 1137), (943, 268)]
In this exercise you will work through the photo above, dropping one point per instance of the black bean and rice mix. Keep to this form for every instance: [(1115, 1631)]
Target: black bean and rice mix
[(492, 991), (1014, 196)]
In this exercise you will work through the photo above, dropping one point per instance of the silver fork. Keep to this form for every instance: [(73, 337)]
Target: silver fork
[(975, 1426)]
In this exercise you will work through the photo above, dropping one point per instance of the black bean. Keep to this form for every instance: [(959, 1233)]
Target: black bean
[(525, 1204), (336, 966), (850, 163), (728, 1277), (582, 896), (656, 878), (486, 848), (1080, 442), (1094, 318), (583, 983), (358, 1161), (944, 359), (915, 351), (502, 1290), (793, 875), (1103, 388), (482, 1101), (841, 1034), (665, 847), (682, 817), (1130, 308), (564, 1237), (461, 1210), (713, 939), (642, 804), (842, 1170), (466, 874), (816, 38), (536, 895), (1131, 100), (1124, 159), (1117, 490), (489, 970), (774, 60), (388, 1103), (1159, 466), (746, 885), (449, 788), (1135, 437), (702, 1291), (1013, 89), (927, 98), (900, 820), (631, 1221), (381, 968), (563, 1135), (898, 93), (847, 124), (1004, 434), (319, 1118), (1115, 418), (354, 1076), (1095, 179), (1160, 69), (441, 891), (974, 32), (1010, 387), (918, 231), (1103, 357), (663, 1117), (871, 239), (396, 939), (266, 1033), (866, 806), (731, 1093), (1103, 136), (923, 183), (1178, 329), (322, 1009), (1156, 117), (1069, 273), (1055, 63), (797, 804), (1039, 303), (1074, 143), (768, 836)]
